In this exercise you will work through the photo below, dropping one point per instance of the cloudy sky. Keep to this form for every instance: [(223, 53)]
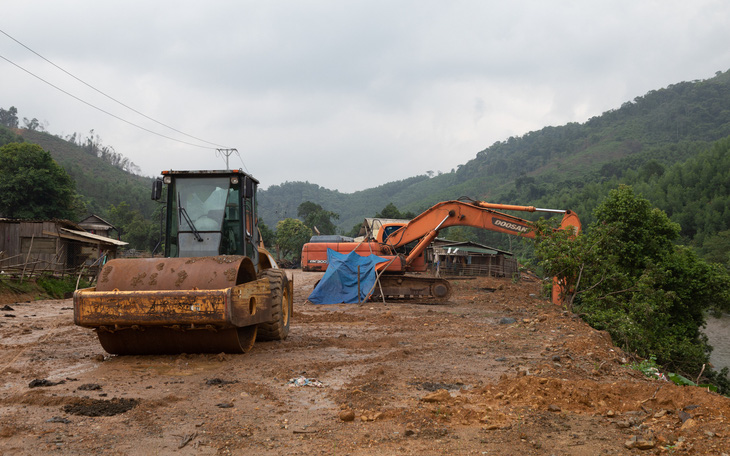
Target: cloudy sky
[(348, 95)]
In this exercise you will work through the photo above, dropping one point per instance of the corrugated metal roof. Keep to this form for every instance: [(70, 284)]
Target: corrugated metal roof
[(94, 237), (441, 243), (457, 250)]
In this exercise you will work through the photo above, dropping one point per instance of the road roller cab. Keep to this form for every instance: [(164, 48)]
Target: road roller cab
[(217, 289), (209, 213)]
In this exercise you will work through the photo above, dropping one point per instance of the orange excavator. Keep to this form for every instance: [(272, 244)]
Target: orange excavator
[(403, 244)]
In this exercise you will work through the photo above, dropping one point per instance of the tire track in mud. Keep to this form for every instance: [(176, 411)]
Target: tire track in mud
[(36, 345)]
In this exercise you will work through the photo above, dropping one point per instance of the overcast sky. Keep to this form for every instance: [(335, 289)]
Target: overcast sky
[(348, 95)]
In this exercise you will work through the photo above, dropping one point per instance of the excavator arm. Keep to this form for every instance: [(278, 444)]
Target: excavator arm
[(426, 226)]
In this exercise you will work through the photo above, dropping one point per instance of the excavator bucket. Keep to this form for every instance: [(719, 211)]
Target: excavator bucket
[(176, 305)]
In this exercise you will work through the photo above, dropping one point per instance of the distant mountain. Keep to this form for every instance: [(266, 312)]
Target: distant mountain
[(665, 126), (278, 202)]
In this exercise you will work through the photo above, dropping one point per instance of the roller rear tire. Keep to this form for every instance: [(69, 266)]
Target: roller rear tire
[(282, 307)]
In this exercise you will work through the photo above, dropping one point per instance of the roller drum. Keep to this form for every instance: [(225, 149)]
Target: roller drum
[(175, 274), (203, 273)]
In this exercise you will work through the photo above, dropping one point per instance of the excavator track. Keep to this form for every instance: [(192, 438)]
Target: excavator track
[(412, 287), (176, 305)]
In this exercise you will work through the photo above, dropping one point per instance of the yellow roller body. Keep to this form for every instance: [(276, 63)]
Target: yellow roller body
[(175, 305)]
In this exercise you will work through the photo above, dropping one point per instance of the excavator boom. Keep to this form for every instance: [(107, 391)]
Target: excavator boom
[(478, 214)]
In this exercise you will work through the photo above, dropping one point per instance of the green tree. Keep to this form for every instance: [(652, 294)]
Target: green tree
[(639, 234), (354, 231), (32, 124), (315, 216), (291, 235), (33, 185), (392, 212), (457, 233), (268, 237), (9, 117), (716, 248), (7, 136), (625, 275), (132, 226)]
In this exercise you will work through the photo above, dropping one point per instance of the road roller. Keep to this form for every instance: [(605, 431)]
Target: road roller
[(216, 290)]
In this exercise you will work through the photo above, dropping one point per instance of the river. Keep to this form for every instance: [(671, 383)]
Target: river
[(718, 333)]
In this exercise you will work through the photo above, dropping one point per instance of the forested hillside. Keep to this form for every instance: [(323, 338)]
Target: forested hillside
[(660, 143), (281, 201), (98, 180), (669, 144), (695, 193)]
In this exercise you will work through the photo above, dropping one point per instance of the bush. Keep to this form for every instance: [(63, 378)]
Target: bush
[(626, 276)]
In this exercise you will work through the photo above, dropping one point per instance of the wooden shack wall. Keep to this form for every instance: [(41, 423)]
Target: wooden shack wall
[(35, 247), (481, 265), (26, 247), (9, 240)]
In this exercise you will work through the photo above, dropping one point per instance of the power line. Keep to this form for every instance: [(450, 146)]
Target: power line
[(107, 96), (101, 110)]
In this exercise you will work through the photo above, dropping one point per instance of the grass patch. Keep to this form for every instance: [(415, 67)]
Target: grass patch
[(14, 286), (59, 288), (44, 287)]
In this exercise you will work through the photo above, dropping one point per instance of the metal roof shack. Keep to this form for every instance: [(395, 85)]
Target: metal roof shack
[(97, 225), (450, 258), (32, 247)]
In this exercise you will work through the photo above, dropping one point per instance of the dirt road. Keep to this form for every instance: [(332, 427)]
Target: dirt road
[(495, 371)]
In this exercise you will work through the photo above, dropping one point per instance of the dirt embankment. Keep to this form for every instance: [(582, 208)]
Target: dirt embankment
[(495, 371)]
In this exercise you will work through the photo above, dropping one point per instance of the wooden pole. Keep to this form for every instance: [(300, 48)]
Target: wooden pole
[(27, 258)]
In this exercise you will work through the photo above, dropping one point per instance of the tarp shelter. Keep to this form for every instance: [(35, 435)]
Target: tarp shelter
[(340, 281)]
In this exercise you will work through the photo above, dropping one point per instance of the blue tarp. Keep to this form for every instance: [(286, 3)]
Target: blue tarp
[(339, 283)]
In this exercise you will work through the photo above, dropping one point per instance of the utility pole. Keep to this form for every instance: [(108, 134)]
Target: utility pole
[(227, 153)]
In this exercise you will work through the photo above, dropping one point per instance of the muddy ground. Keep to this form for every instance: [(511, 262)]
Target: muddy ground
[(495, 371)]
